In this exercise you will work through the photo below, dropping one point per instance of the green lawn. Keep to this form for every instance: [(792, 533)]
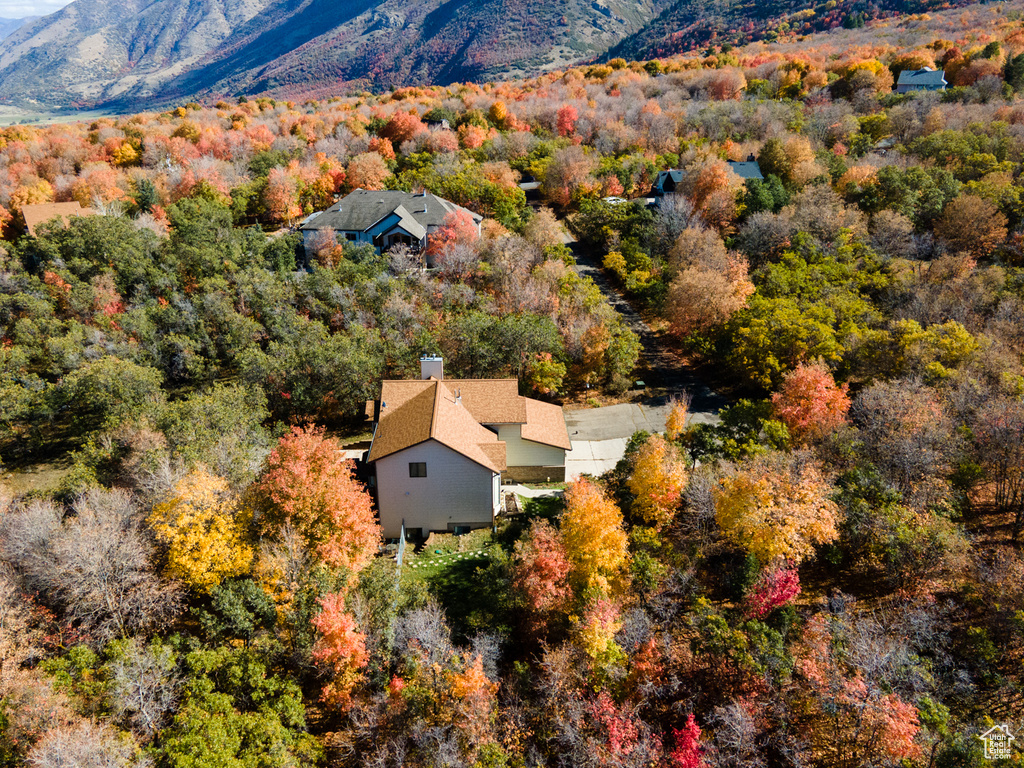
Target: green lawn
[(457, 570)]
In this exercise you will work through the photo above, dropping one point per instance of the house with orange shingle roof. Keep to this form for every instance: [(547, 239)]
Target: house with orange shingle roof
[(40, 213), (442, 446)]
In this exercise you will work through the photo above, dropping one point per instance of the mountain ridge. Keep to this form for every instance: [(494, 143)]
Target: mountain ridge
[(130, 53)]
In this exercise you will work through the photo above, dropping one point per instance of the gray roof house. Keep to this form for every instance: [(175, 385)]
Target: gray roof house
[(668, 181), (926, 79), (384, 218), (746, 169)]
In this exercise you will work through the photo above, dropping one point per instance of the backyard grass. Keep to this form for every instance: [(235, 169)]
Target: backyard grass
[(442, 551), (457, 572)]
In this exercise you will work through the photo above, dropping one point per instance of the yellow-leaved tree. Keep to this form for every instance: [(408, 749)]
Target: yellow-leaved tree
[(657, 482), (594, 539), (204, 527), (675, 423), (776, 509)]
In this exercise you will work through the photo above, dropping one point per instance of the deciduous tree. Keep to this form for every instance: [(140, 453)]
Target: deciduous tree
[(657, 482), (776, 509), (340, 647), (972, 225), (595, 542), (809, 402), (205, 528), (541, 571), (367, 171), (307, 485)]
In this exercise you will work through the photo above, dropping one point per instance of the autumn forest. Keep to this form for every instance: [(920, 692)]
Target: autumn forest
[(827, 573)]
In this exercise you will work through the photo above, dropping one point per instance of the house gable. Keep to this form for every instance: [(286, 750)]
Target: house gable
[(370, 216)]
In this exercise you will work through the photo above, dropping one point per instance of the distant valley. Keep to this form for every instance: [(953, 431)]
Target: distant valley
[(9, 26)]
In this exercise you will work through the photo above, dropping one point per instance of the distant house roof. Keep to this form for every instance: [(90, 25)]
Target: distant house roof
[(362, 209), (922, 78), (667, 180), (746, 169), (39, 213)]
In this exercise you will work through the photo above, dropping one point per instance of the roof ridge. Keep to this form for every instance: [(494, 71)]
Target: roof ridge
[(437, 408)]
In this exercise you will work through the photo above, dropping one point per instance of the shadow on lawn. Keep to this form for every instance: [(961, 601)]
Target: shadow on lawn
[(476, 593), (543, 507), (475, 596)]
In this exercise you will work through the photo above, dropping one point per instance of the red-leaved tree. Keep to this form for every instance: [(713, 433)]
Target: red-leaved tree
[(810, 403), (773, 589), (340, 648), (687, 752), (567, 117), (541, 572), (458, 228)]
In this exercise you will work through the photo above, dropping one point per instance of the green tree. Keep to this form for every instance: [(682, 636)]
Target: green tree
[(109, 392), (316, 373), (774, 160), (236, 714), (222, 428), (766, 195), (237, 609)]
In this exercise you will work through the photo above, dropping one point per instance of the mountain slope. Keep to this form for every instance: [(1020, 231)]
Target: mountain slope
[(686, 25), (93, 50), (10, 26), (132, 52)]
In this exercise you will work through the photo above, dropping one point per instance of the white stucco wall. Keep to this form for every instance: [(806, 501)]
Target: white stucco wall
[(524, 453), (456, 491)]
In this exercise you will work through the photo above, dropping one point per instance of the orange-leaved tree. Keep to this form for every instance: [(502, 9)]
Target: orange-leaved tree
[(540, 572), (855, 717), (458, 228), (340, 648), (474, 697), (810, 403), (308, 485), (775, 509), (367, 171), (281, 196), (594, 539), (657, 482), (205, 529)]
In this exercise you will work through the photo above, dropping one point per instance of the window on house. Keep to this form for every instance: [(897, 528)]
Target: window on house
[(417, 469), (350, 236)]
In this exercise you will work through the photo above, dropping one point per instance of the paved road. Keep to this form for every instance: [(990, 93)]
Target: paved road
[(660, 367), (599, 435)]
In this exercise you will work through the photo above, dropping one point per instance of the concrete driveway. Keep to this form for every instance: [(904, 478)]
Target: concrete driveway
[(593, 457), (599, 435)]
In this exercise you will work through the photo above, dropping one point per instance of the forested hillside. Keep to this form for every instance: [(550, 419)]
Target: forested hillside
[(830, 575)]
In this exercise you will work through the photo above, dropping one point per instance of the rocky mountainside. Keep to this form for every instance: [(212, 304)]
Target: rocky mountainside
[(131, 53), (688, 25), (93, 51)]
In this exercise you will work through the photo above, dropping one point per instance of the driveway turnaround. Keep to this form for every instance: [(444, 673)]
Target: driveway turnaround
[(599, 435), (593, 457)]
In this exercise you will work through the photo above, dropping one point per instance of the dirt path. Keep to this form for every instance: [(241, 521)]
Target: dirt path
[(661, 368)]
